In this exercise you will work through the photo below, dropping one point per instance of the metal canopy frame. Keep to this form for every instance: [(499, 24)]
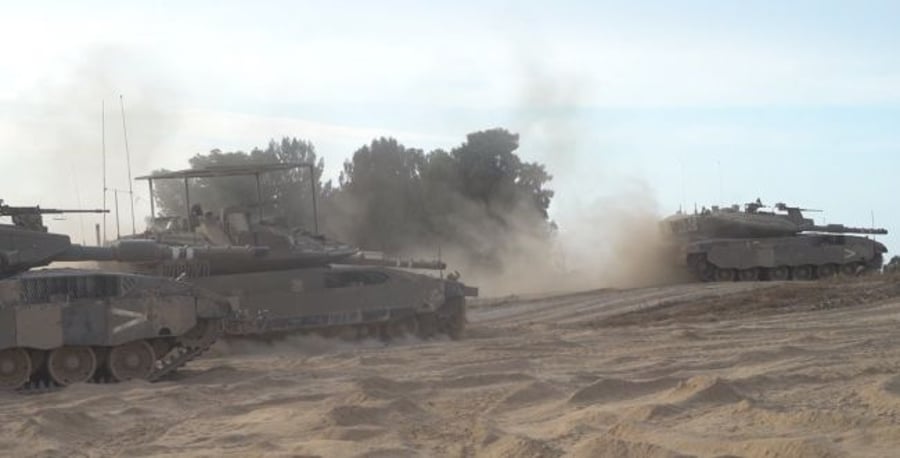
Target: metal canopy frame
[(230, 171)]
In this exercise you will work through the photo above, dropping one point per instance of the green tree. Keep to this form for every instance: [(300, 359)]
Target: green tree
[(381, 185), (478, 198)]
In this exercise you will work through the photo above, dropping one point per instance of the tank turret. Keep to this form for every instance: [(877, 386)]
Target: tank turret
[(781, 244)]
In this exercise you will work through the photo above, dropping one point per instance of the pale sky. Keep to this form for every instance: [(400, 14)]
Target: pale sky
[(705, 102)]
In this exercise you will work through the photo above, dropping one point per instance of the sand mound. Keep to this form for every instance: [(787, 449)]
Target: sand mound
[(373, 414), (892, 386), (528, 394), (610, 447), (612, 390), (519, 447), (385, 388), (389, 453), (704, 389), (790, 297), (482, 380)]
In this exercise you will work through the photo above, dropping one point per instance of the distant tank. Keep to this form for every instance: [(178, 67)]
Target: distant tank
[(893, 266), (297, 281), (65, 326), (750, 244)]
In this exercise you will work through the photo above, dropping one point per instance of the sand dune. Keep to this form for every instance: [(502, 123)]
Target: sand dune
[(687, 370)]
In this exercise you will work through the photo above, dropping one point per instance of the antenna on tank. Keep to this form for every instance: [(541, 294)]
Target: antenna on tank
[(128, 164), (103, 152)]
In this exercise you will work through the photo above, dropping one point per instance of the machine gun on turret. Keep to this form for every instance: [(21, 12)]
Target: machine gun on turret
[(31, 218)]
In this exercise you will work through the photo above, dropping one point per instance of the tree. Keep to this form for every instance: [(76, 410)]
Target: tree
[(381, 188), (478, 198)]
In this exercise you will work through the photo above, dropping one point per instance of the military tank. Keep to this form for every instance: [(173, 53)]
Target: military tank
[(65, 326), (300, 281), (893, 267), (750, 244)]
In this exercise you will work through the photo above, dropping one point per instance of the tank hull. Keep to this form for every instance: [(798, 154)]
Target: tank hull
[(351, 301), (799, 257), (63, 326)]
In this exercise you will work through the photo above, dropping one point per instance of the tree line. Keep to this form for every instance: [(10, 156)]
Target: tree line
[(478, 199)]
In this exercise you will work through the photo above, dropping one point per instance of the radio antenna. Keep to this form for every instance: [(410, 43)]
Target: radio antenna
[(128, 165), (681, 203), (103, 151)]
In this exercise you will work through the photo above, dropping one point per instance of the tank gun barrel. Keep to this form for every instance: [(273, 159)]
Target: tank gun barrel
[(25, 246), (841, 229), (362, 260), (151, 251), (787, 208), (7, 210)]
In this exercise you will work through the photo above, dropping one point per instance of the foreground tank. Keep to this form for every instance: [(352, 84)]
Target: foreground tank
[(65, 326), (749, 245), (298, 281)]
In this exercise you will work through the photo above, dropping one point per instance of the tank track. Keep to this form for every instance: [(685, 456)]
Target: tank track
[(709, 272), (188, 347), (185, 349), (448, 320)]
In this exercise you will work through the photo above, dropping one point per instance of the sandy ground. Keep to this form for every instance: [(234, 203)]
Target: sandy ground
[(689, 370)]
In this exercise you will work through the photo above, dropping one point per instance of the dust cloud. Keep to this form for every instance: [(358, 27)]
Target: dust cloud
[(305, 345), (615, 242), (610, 241)]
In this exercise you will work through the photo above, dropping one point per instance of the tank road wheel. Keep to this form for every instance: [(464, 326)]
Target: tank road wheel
[(15, 368), (827, 270), (427, 324), (705, 271), (803, 273), (780, 273), (751, 274), (68, 365), (850, 269), (133, 360), (725, 274)]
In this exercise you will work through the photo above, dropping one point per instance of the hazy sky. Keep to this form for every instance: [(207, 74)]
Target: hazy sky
[(692, 101)]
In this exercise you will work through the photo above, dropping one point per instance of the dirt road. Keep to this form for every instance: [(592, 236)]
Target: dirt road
[(705, 370)]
